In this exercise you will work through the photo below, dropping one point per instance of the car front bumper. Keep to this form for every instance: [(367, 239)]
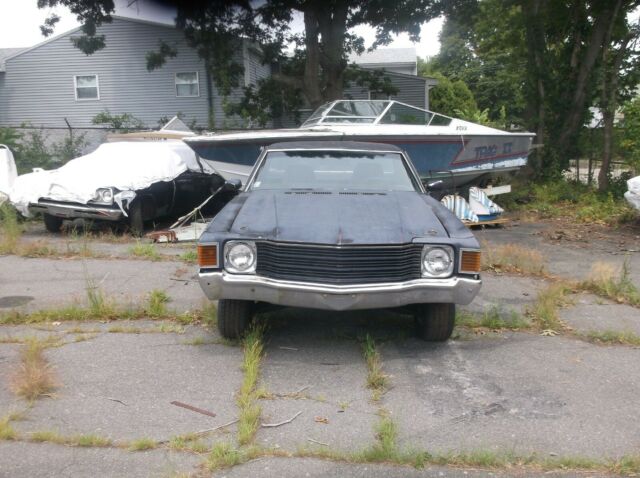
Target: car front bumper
[(453, 290), (74, 210)]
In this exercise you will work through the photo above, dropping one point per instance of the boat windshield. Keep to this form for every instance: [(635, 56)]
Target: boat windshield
[(333, 171), (374, 112)]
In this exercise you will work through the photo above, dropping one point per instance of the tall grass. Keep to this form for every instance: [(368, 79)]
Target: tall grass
[(10, 229)]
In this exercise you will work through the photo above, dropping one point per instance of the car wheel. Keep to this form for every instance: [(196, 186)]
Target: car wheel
[(136, 222), (434, 322), (234, 317), (52, 223)]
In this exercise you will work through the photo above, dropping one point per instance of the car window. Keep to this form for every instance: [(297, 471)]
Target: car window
[(333, 170)]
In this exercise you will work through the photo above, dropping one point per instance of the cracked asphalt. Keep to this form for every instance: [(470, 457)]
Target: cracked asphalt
[(499, 392)]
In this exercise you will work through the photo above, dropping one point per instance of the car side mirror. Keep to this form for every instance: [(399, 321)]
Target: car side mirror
[(232, 185)]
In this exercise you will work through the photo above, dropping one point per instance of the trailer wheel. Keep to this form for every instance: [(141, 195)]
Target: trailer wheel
[(52, 223), (434, 322)]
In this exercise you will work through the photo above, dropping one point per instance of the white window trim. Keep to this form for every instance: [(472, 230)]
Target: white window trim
[(175, 84), (75, 87)]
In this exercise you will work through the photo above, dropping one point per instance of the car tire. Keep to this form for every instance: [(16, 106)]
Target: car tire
[(234, 317), (434, 322), (52, 223), (136, 221)]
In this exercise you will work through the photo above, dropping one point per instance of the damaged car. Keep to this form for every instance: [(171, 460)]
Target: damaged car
[(338, 226), (130, 183)]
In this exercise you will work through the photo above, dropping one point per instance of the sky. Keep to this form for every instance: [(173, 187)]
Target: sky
[(20, 21)]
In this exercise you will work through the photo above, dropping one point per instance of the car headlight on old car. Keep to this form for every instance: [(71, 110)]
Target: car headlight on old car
[(437, 261), (104, 195), (240, 257)]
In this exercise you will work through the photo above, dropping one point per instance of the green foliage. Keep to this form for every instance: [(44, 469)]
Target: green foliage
[(452, 98), (156, 59), (123, 122), (33, 152), (69, 148), (630, 130), (561, 198)]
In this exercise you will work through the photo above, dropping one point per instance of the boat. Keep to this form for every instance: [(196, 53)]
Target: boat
[(452, 151)]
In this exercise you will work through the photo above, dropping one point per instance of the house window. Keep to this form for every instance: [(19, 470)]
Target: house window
[(87, 87), (187, 84)]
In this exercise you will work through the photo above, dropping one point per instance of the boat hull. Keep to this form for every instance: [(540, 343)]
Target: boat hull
[(456, 160)]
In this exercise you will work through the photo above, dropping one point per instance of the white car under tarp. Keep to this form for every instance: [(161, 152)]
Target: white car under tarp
[(8, 172), (124, 166), (633, 194)]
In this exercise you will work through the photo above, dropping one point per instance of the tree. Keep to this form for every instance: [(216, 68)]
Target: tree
[(542, 61), (319, 66)]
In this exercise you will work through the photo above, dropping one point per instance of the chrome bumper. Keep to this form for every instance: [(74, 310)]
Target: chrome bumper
[(73, 210), (454, 290)]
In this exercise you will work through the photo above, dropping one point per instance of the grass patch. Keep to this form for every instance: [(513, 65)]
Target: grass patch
[(146, 251), (513, 258), (377, 380), (614, 337), (48, 436), (247, 399), (142, 444), (493, 319), (224, 455), (10, 229), (189, 442), (568, 199), (611, 282), (157, 303), (190, 257), (544, 310), (6, 430), (34, 377)]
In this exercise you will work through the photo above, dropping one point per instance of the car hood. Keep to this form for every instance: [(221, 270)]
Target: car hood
[(337, 218)]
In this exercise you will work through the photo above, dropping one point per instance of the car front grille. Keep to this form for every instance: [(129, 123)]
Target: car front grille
[(339, 265)]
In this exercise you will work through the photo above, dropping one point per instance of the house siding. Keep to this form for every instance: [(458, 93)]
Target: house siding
[(38, 85), (411, 90)]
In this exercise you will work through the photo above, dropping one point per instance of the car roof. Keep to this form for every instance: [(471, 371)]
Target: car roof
[(334, 145)]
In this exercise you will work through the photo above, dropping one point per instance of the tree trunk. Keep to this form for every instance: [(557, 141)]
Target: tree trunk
[(536, 47), (311, 80), (595, 44), (333, 29)]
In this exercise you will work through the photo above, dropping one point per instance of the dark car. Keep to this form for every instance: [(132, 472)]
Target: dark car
[(126, 182), (338, 226)]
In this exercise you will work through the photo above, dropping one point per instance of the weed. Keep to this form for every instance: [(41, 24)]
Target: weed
[(10, 229), (614, 337), (47, 436), (545, 309), (249, 416), (188, 442), (190, 256), (6, 430), (90, 441), (612, 283), (494, 319), (34, 376), (145, 251), (98, 306), (377, 381), (513, 258), (157, 303), (168, 328), (224, 455), (142, 444)]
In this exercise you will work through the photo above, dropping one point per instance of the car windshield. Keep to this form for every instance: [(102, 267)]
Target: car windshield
[(333, 170)]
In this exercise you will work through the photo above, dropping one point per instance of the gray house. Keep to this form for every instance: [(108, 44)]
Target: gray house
[(54, 85), (54, 81)]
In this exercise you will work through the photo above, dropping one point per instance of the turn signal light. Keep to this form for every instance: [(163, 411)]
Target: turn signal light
[(208, 255), (470, 262)]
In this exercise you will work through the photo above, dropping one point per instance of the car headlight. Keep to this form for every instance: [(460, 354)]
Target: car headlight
[(437, 261), (240, 257), (104, 195)]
